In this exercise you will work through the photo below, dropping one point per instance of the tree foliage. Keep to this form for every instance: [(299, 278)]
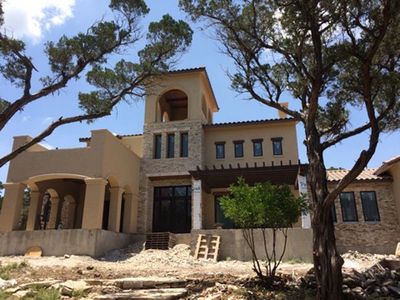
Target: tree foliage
[(263, 206), (90, 54), (339, 60)]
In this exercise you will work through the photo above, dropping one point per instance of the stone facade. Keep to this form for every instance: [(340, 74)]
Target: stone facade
[(164, 171), (375, 237)]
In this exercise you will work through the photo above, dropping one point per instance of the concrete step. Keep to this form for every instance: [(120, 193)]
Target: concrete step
[(147, 294)]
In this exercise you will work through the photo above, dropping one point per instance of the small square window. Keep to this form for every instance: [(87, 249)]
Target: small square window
[(239, 152), (277, 146), (220, 150), (370, 206), (349, 209), (257, 147)]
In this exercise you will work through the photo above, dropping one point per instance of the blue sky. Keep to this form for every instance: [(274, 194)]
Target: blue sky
[(38, 21)]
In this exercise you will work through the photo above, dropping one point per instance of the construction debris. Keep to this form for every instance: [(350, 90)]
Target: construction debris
[(381, 280), (207, 246)]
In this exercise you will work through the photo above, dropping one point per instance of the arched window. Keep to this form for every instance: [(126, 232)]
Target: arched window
[(173, 106)]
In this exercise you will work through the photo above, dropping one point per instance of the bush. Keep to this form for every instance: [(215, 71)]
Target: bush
[(264, 206)]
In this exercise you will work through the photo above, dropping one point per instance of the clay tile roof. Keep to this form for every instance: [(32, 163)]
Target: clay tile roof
[(386, 165), (120, 136), (366, 175), (187, 70), (253, 122)]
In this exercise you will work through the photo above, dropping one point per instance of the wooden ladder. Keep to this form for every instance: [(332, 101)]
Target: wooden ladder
[(207, 246)]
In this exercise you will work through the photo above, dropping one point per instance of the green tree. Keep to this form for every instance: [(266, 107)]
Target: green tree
[(263, 206), (89, 54), (330, 56)]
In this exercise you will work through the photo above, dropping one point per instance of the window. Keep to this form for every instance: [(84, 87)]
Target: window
[(220, 150), (157, 146), (348, 204), (170, 145), (238, 148), (370, 206), (257, 147), (184, 144), (277, 146), (333, 213), (220, 218)]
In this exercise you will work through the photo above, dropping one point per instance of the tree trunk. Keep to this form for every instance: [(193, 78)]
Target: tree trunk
[(327, 261)]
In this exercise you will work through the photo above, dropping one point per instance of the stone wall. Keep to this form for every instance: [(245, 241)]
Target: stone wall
[(168, 168), (374, 237)]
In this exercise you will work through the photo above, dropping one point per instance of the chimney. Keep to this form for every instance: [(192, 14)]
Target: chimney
[(283, 115)]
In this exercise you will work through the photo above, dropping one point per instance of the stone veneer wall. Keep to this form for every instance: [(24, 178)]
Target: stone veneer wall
[(167, 167), (374, 237)]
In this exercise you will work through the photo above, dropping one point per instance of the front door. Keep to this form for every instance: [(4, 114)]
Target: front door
[(172, 210)]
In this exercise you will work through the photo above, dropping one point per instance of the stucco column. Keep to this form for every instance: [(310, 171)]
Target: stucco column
[(114, 219), (12, 205), (303, 190), (94, 203), (130, 213), (33, 211), (55, 201), (197, 217)]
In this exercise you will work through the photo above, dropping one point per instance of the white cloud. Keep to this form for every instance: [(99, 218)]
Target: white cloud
[(29, 18), (47, 120), (26, 118)]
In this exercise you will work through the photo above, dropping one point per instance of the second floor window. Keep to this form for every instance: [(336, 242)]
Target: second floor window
[(170, 145), (157, 146), (349, 209), (184, 144), (370, 206), (277, 146), (238, 148), (257, 147), (220, 150)]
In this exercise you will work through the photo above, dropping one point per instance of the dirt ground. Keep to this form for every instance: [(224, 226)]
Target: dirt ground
[(176, 262)]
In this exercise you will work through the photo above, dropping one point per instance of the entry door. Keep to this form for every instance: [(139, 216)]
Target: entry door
[(172, 211)]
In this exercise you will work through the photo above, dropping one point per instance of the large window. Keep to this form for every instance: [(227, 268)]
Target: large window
[(157, 146), (277, 146), (370, 206), (257, 147), (333, 213), (220, 219), (170, 145), (184, 144), (220, 149), (349, 209), (238, 148)]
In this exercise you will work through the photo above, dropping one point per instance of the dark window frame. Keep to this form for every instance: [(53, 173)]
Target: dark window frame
[(274, 140), (238, 154), (376, 203), (157, 147), (258, 141), (170, 151), (182, 151), (223, 150), (229, 224), (355, 207)]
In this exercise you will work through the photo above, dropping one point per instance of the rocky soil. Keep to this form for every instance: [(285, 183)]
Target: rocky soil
[(134, 273)]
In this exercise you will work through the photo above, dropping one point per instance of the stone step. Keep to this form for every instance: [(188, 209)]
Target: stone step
[(149, 283), (147, 294)]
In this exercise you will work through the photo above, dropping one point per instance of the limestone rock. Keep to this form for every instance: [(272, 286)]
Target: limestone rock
[(148, 282), (150, 294)]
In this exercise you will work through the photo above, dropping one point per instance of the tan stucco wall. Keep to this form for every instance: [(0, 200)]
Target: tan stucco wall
[(134, 143), (193, 85), (106, 158), (374, 237), (286, 130)]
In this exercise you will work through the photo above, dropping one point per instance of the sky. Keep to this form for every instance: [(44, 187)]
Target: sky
[(38, 21)]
